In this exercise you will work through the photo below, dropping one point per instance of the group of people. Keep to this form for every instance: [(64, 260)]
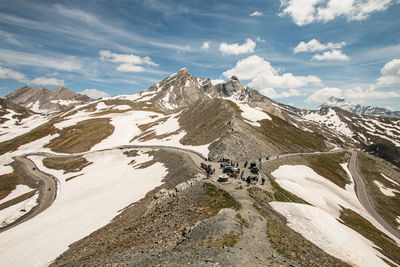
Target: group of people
[(209, 171), (250, 180)]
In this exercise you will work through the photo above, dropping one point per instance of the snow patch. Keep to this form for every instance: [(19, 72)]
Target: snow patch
[(390, 180), (386, 191), (252, 115), (324, 230), (14, 212), (18, 191)]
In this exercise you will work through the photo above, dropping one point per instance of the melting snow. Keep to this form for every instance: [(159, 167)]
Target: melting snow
[(390, 180), (332, 120), (324, 230), (324, 195), (18, 191), (252, 115), (386, 191), (85, 204), (12, 213)]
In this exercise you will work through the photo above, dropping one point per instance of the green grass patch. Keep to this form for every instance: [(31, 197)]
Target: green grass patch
[(218, 199), (288, 137), (328, 167), (386, 245), (82, 136)]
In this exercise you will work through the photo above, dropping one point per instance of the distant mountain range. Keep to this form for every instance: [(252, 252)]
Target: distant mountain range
[(359, 109)]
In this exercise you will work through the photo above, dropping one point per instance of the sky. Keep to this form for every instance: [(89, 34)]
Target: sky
[(297, 52)]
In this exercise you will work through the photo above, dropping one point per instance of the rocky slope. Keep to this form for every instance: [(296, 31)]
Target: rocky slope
[(42, 100)]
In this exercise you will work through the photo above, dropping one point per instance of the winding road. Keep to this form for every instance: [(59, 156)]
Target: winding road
[(48, 183), (47, 186), (362, 195)]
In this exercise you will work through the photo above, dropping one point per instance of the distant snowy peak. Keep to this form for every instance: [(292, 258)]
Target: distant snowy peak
[(359, 109), (42, 100)]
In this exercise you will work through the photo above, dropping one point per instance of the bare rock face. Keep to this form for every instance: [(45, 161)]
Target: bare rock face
[(42, 100), (181, 89), (235, 89)]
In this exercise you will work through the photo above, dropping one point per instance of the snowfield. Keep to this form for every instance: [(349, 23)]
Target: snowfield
[(84, 204), (13, 128), (314, 222), (321, 228)]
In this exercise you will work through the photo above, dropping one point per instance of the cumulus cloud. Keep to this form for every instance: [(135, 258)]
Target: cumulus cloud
[(314, 45), (371, 93), (331, 55), (47, 81), (237, 49), (305, 12), (6, 73), (322, 95), (390, 73), (256, 14), (94, 93), (271, 93), (263, 75), (128, 62), (206, 45)]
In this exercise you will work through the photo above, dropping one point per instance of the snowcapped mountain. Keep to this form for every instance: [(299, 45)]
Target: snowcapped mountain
[(359, 109), (100, 150), (42, 100)]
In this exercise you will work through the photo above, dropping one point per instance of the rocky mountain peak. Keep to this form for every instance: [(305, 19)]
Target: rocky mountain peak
[(42, 100)]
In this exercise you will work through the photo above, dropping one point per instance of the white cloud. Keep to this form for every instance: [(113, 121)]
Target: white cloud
[(256, 14), (47, 81), (68, 63), (263, 75), (322, 95), (127, 67), (390, 73), (271, 93), (206, 45), (331, 55), (315, 45), (94, 93), (301, 11), (129, 61), (307, 11), (217, 81), (6, 73), (359, 93), (237, 49)]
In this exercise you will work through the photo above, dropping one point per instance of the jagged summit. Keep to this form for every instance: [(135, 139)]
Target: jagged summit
[(42, 100), (359, 109)]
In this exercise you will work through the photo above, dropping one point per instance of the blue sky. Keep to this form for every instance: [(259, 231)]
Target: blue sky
[(294, 51)]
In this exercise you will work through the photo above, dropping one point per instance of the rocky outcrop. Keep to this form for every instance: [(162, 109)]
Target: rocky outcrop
[(42, 100)]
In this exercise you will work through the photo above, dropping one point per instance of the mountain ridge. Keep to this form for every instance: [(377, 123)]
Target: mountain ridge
[(358, 109)]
